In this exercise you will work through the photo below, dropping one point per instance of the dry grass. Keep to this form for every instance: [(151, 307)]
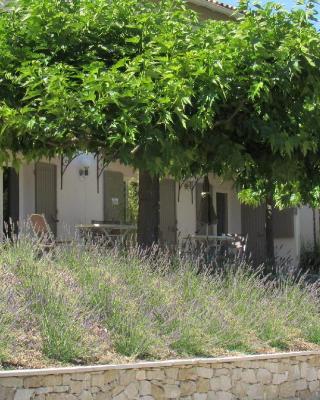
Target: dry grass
[(81, 305)]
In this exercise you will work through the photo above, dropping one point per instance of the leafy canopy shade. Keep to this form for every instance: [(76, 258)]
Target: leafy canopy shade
[(147, 83)]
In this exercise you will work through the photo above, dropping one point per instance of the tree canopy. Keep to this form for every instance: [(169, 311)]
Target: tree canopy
[(151, 85), (93, 75)]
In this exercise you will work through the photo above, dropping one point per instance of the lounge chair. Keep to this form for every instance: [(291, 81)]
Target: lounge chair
[(43, 232)]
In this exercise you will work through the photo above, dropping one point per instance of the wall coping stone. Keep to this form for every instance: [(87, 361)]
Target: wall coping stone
[(154, 364)]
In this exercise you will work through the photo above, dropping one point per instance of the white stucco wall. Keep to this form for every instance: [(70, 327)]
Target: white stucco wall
[(186, 212), (234, 206), (290, 248), (186, 208), (78, 202), (26, 191), (306, 225)]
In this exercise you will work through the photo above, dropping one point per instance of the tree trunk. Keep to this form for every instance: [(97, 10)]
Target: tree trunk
[(269, 230), (149, 209)]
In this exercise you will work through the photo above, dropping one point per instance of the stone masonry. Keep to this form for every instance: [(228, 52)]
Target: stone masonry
[(269, 377)]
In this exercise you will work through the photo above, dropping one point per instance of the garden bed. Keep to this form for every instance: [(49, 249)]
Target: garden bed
[(89, 305)]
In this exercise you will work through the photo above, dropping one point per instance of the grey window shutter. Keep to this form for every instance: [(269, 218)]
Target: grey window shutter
[(283, 223), (114, 197), (222, 213)]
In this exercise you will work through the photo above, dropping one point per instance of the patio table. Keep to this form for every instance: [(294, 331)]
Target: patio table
[(108, 231), (210, 244)]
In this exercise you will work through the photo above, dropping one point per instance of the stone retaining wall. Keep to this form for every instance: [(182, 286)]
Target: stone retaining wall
[(276, 376)]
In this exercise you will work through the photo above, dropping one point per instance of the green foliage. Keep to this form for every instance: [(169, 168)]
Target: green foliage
[(133, 200), (149, 84)]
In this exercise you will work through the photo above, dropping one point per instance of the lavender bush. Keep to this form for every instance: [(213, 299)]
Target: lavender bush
[(85, 303)]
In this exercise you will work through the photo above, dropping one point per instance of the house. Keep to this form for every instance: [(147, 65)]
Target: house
[(78, 191), (76, 195)]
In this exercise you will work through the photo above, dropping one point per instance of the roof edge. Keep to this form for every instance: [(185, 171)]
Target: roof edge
[(215, 6)]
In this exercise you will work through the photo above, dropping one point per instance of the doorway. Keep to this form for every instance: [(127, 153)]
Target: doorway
[(46, 193), (10, 201), (168, 218)]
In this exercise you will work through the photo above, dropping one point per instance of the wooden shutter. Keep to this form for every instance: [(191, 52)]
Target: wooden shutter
[(222, 213), (46, 193), (114, 197), (168, 219), (283, 223), (253, 225), (201, 229)]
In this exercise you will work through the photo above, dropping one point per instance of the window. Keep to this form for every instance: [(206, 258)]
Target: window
[(283, 223), (222, 213)]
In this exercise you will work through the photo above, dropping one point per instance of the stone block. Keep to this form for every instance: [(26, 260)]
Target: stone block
[(144, 388), (222, 383), (255, 391), (249, 376), (78, 386), (240, 389), (211, 395), (132, 390), (221, 371), (12, 382), (120, 396), (236, 374), (188, 388), (294, 372), (59, 389), (110, 376), (312, 374), (308, 372), (79, 376), (264, 376), (225, 383), (39, 397), (66, 379), (287, 390), (301, 384), (23, 394), (6, 393), (117, 390), (172, 373), (172, 391), (98, 379), (42, 380), (204, 372), (203, 385), (270, 366), (187, 374), (200, 396), (141, 375), (277, 379), (85, 395), (156, 375), (57, 396), (102, 396), (271, 392), (127, 377), (223, 396), (157, 392), (306, 395), (314, 386), (44, 390)]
